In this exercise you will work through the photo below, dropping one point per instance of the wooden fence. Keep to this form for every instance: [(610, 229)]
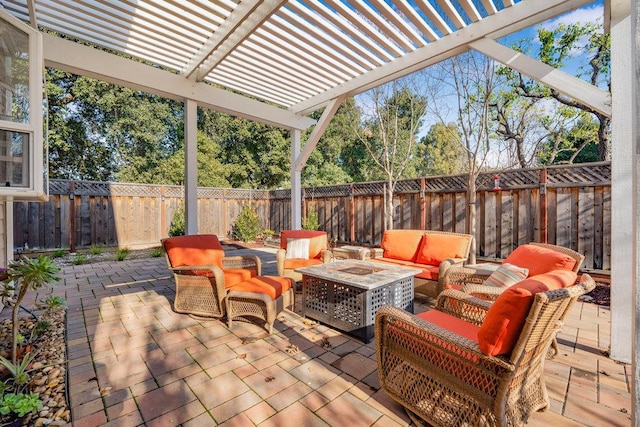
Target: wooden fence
[(564, 205)]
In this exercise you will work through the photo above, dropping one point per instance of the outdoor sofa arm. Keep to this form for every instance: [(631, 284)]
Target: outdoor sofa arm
[(249, 262), (462, 305)]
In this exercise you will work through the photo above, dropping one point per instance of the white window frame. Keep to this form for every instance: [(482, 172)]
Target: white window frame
[(37, 188)]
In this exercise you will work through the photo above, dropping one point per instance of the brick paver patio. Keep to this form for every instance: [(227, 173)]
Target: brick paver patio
[(133, 361)]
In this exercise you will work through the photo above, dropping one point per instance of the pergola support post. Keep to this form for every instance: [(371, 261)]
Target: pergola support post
[(296, 182), (623, 186), (191, 166)]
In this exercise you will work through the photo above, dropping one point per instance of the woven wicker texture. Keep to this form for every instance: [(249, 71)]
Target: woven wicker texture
[(471, 279), (446, 380), (241, 304), (200, 290)]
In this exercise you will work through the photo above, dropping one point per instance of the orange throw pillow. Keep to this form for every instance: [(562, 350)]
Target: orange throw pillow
[(539, 260), (197, 249), (435, 248), (504, 321), (401, 244)]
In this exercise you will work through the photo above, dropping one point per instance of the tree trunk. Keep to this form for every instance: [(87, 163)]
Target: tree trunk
[(389, 206), (471, 197)]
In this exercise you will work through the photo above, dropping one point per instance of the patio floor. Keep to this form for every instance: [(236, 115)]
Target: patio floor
[(133, 361)]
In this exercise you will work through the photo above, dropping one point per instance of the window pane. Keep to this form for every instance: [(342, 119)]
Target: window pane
[(14, 74), (14, 159)]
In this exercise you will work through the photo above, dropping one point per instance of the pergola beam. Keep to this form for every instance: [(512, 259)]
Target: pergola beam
[(521, 15), (317, 132), (242, 22), (83, 60), (583, 92)]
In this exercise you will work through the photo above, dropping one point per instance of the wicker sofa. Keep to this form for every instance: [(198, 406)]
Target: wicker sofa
[(433, 252), (470, 362)]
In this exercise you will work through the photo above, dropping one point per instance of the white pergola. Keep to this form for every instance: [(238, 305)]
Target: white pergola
[(275, 61)]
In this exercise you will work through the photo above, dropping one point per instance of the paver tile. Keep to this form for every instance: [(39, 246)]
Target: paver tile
[(218, 390), (270, 381), (294, 415), (235, 406), (348, 410), (164, 400)]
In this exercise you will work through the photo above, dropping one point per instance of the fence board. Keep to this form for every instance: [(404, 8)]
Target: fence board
[(578, 211)]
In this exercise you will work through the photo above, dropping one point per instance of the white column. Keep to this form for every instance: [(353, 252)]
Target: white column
[(296, 182), (624, 244), (634, 147), (191, 166)]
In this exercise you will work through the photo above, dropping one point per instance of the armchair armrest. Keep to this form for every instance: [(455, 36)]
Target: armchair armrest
[(457, 275), (463, 306), (490, 293), (280, 256), (250, 262), (326, 256)]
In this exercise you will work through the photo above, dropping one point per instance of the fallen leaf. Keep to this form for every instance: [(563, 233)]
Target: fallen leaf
[(269, 379), (242, 356)]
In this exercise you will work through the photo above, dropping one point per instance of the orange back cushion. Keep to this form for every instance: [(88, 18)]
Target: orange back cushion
[(435, 248), (502, 325), (197, 249), (317, 240), (540, 260), (401, 244)]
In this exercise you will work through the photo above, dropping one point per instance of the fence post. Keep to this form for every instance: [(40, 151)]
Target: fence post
[(423, 204), (352, 215), (544, 207), (163, 212), (72, 217)]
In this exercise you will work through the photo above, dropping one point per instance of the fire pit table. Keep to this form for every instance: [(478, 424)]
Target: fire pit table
[(347, 294)]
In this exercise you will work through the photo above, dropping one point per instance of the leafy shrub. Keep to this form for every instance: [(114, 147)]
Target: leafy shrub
[(122, 253), (247, 226), (310, 222), (177, 226), (79, 259), (20, 404), (156, 252), (58, 253)]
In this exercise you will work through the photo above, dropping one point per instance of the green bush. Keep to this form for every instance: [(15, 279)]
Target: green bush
[(156, 252), (122, 253), (310, 222), (20, 404), (95, 250), (247, 226), (79, 259), (177, 226), (58, 253)]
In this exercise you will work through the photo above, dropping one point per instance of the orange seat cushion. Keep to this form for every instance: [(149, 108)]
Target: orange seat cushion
[(451, 323), (504, 321), (268, 285), (292, 264), (401, 244), (429, 272), (435, 248), (197, 249), (317, 240), (235, 276), (540, 260)]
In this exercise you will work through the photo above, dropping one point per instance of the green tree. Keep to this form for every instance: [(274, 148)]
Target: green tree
[(586, 44), (328, 163), (579, 144), (442, 152), (389, 134)]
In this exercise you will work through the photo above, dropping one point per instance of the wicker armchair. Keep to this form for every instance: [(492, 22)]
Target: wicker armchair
[(470, 280), (203, 274), (444, 378)]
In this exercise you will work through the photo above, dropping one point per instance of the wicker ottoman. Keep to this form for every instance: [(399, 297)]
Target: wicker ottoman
[(261, 296)]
